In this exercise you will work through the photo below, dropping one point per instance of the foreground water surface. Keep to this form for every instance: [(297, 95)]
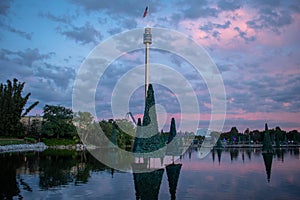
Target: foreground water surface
[(223, 174)]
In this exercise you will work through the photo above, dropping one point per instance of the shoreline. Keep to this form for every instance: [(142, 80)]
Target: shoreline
[(40, 146), (247, 146)]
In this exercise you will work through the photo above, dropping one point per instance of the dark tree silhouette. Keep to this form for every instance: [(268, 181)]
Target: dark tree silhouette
[(150, 139), (150, 119), (58, 122), (267, 145), (172, 132), (12, 107)]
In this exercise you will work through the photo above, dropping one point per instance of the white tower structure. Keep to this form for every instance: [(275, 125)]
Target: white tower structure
[(147, 42)]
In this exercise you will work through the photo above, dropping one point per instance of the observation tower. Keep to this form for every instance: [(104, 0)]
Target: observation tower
[(147, 42)]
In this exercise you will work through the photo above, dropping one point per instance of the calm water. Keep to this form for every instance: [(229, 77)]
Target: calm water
[(226, 174)]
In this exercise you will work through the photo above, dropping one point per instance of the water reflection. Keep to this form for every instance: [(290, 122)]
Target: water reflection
[(279, 153), (32, 174), (147, 184), (55, 169), (234, 153), (268, 158), (173, 172), (219, 154), (9, 184)]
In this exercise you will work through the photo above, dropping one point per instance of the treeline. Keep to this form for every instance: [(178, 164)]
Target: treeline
[(61, 122), (118, 132), (277, 136), (57, 121)]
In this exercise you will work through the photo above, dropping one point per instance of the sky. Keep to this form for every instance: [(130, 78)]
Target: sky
[(254, 44)]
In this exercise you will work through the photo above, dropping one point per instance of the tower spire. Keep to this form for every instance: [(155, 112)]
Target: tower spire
[(147, 42)]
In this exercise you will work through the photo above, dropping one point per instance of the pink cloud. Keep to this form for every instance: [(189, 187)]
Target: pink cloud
[(286, 104)]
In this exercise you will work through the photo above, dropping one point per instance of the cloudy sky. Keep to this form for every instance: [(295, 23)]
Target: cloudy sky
[(255, 45)]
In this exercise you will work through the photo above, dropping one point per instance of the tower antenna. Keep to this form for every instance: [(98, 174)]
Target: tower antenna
[(147, 42)]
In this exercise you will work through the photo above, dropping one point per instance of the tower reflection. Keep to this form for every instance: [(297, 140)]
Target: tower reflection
[(268, 158), (173, 172), (147, 184)]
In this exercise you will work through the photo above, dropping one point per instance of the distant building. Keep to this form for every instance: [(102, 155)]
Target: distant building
[(32, 122)]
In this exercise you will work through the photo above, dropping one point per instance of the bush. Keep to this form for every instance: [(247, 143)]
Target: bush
[(58, 142), (10, 142), (29, 139)]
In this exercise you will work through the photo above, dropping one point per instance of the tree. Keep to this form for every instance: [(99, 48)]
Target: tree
[(106, 127), (58, 122), (125, 127), (35, 127), (267, 144), (12, 107), (247, 136), (257, 135), (84, 124), (233, 134), (119, 131), (293, 136), (151, 140), (125, 133), (150, 118), (173, 131), (279, 136)]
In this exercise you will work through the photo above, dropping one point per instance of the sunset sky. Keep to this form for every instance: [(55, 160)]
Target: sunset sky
[(255, 45)]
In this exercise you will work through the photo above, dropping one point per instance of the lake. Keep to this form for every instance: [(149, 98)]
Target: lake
[(223, 174)]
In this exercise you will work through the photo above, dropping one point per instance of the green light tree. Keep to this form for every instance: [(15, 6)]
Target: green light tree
[(267, 144), (172, 132)]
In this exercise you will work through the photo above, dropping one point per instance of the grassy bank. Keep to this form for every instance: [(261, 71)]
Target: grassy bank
[(58, 142), (48, 142), (10, 141)]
